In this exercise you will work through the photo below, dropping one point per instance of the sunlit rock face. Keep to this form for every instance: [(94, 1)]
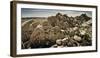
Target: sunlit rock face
[(57, 32)]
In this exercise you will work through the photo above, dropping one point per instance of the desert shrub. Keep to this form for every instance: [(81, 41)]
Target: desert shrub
[(37, 38), (25, 38), (33, 25), (25, 25), (52, 20), (46, 23)]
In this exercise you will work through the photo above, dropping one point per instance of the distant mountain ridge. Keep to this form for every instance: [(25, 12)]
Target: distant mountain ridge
[(33, 17)]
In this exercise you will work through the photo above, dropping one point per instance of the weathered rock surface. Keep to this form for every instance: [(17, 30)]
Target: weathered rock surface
[(58, 31)]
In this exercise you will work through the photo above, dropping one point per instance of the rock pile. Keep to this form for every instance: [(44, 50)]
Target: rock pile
[(59, 31)]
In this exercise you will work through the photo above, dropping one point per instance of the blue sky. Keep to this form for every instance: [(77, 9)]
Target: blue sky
[(31, 12)]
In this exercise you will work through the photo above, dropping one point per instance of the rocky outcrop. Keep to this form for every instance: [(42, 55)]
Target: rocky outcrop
[(58, 31)]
